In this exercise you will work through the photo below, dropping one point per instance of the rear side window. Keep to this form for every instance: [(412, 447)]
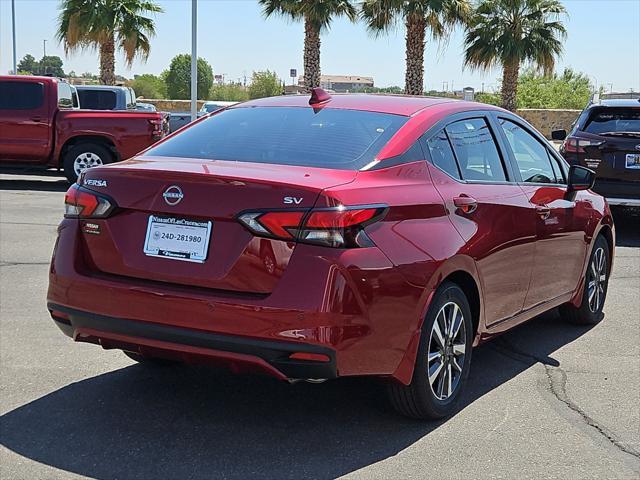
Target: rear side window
[(531, 156), (21, 95), (613, 120), (97, 99), (326, 137), (442, 155), (131, 99), (476, 151), (65, 97)]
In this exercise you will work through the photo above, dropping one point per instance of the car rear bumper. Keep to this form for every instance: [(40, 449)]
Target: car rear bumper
[(351, 305), (244, 354)]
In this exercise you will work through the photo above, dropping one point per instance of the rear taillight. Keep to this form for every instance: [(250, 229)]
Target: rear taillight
[(83, 203), (577, 145), (157, 124), (339, 227)]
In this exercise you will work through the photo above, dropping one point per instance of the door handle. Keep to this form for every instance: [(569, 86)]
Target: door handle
[(36, 119), (543, 211), (465, 203)]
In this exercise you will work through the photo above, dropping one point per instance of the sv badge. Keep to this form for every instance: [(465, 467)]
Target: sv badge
[(293, 200)]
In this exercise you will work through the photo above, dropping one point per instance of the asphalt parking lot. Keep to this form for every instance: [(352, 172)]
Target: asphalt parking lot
[(546, 400)]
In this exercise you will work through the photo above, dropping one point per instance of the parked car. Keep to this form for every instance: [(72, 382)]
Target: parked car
[(40, 127), (606, 138), (146, 107), (177, 120), (180, 119), (213, 106), (406, 229), (106, 97)]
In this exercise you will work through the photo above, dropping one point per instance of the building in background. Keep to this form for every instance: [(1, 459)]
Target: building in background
[(342, 83)]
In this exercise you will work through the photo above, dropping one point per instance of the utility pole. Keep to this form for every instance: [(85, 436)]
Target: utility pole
[(194, 59), (13, 24), (44, 48)]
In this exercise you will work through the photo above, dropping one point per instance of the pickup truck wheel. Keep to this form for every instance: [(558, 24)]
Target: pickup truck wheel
[(84, 156)]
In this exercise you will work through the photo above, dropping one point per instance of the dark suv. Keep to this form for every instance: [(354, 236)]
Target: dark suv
[(606, 138)]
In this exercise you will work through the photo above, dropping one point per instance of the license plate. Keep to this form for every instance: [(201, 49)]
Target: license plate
[(177, 238), (633, 160)]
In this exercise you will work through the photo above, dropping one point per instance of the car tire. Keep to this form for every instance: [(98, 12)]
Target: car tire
[(430, 395), (150, 361), (596, 283), (83, 156)]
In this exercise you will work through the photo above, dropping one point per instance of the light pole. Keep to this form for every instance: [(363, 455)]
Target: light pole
[(194, 59), (13, 25)]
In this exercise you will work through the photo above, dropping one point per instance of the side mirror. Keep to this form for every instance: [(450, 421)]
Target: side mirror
[(580, 178), (558, 135)]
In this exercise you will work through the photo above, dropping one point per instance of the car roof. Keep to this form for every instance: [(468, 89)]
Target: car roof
[(617, 102), (406, 105), (101, 87), (219, 102)]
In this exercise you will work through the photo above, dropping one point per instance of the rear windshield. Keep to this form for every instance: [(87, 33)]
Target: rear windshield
[(326, 138), (614, 120), (97, 99)]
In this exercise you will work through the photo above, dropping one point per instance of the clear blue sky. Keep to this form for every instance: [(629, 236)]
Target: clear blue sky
[(603, 41)]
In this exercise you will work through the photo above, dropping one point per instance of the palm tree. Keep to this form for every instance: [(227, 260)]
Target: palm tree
[(510, 32), (103, 24), (439, 16), (317, 16)]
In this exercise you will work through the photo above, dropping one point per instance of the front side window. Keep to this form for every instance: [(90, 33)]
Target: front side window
[(21, 95), (476, 150), (531, 156), (442, 155), (325, 138)]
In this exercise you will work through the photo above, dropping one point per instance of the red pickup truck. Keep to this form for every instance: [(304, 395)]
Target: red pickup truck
[(41, 125)]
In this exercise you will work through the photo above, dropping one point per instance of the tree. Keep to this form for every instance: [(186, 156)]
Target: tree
[(28, 64), (149, 86), (178, 78), (438, 16), (510, 32), (317, 16), (264, 84), (105, 24), (229, 92), (51, 65)]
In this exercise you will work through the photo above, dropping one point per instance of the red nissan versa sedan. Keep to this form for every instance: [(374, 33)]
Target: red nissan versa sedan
[(342, 235)]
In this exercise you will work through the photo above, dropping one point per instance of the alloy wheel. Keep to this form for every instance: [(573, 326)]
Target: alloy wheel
[(86, 160), (597, 280), (447, 345)]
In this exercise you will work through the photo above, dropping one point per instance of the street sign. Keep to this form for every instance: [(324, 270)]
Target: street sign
[(293, 73)]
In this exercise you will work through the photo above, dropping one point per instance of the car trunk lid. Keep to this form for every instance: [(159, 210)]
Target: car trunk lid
[(199, 191)]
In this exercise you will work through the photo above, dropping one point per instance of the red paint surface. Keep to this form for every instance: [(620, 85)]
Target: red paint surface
[(38, 136), (367, 304)]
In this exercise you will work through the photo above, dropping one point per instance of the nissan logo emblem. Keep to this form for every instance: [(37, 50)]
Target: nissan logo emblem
[(173, 195)]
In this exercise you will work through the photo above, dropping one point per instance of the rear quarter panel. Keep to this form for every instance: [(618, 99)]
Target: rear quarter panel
[(418, 238), (130, 132)]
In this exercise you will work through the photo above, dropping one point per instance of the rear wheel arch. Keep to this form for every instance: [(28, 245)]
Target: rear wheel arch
[(468, 285), (607, 233), (93, 139)]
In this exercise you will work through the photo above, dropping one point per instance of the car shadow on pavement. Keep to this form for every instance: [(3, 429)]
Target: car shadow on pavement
[(191, 422), (627, 222)]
